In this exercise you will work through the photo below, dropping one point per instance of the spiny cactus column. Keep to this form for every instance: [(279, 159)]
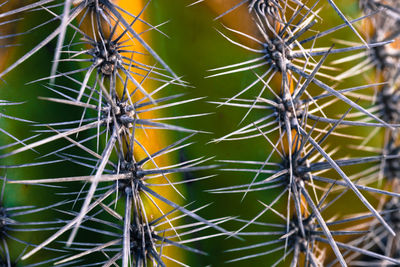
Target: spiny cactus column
[(132, 187), (300, 128)]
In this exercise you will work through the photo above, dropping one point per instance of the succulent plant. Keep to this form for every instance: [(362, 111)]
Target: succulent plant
[(305, 136)]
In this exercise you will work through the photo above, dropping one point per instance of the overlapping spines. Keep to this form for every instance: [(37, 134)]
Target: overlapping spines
[(302, 122), (13, 221), (140, 240), (118, 95), (303, 183), (135, 185), (297, 124), (101, 18), (278, 54), (304, 243), (384, 25)]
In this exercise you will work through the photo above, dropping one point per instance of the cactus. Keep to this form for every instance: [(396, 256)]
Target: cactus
[(307, 123)]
